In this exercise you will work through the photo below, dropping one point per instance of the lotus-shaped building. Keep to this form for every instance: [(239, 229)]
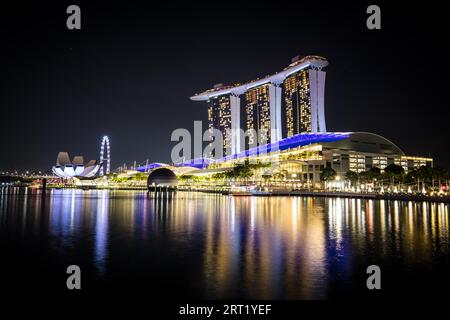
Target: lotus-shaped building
[(64, 168)]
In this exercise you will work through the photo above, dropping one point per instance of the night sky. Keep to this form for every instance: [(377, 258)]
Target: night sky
[(129, 72)]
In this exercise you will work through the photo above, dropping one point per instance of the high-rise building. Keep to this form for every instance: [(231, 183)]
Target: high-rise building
[(219, 117), (262, 114), (297, 104), (280, 105), (257, 113), (304, 92)]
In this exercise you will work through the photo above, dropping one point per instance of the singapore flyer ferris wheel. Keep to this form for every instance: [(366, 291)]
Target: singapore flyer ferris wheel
[(106, 162)]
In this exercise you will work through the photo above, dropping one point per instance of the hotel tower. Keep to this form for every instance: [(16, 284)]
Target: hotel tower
[(278, 106)]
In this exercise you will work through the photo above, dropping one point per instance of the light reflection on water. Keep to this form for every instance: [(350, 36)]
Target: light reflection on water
[(246, 247)]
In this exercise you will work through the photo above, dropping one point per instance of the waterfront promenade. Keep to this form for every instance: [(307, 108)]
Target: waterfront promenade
[(335, 194), (280, 192)]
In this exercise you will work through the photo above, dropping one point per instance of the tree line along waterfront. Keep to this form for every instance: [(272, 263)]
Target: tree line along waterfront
[(429, 180), (261, 176)]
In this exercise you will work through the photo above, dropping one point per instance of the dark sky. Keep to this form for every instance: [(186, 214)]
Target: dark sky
[(130, 71)]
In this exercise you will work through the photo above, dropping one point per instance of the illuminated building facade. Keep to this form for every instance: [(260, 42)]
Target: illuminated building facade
[(297, 104), (301, 159), (219, 117), (304, 102), (65, 168), (257, 115), (275, 107)]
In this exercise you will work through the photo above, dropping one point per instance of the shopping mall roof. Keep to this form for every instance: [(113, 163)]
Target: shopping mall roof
[(345, 141)]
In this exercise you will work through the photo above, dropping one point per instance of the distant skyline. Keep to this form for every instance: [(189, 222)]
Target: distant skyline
[(129, 73)]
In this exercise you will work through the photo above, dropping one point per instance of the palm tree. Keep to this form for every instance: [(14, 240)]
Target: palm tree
[(364, 177), (351, 176), (327, 174), (413, 177), (438, 174), (371, 175), (267, 177), (446, 176), (394, 171), (423, 175)]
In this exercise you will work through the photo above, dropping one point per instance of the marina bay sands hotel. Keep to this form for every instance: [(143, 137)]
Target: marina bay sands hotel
[(278, 106), (288, 109)]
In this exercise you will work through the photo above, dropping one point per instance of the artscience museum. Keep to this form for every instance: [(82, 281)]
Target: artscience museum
[(76, 168)]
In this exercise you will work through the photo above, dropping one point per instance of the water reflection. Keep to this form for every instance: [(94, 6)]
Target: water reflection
[(101, 231), (248, 247)]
